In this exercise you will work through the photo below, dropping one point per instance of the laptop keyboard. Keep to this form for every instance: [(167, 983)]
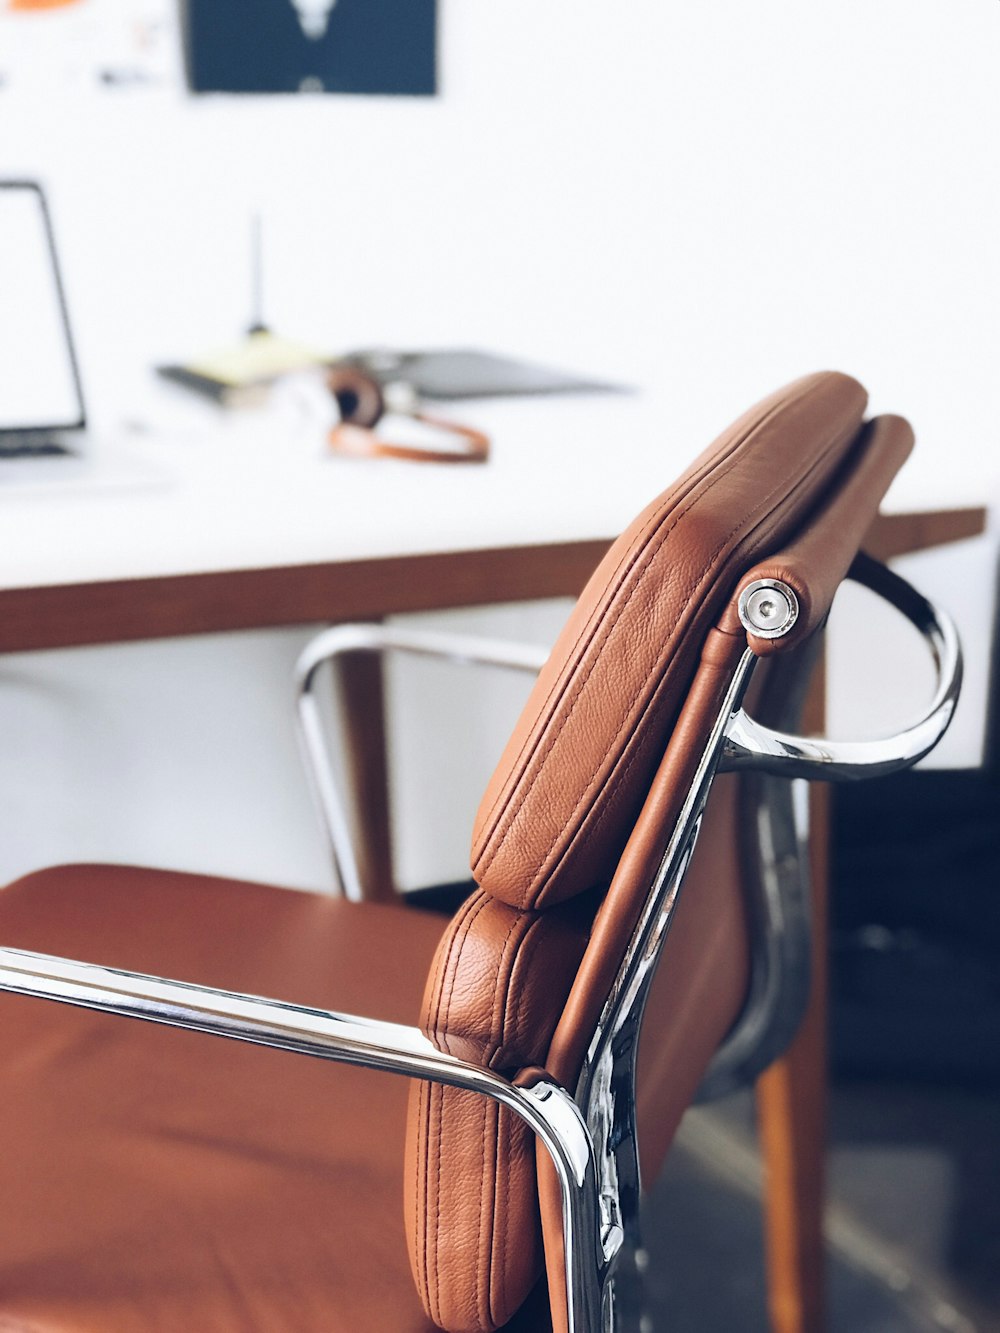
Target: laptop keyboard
[(31, 445)]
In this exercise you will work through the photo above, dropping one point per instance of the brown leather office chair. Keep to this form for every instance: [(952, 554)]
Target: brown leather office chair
[(154, 1178)]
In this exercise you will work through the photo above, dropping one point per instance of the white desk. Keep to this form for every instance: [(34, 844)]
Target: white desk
[(246, 523)]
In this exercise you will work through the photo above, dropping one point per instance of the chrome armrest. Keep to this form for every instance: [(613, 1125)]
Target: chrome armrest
[(776, 824), (331, 643), (533, 1095), (750, 744)]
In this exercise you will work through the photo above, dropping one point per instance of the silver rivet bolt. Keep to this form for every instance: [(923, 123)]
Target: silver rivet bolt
[(768, 608)]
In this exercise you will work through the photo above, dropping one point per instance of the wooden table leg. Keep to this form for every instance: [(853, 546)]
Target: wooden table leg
[(792, 1094), (791, 1109), (361, 686)]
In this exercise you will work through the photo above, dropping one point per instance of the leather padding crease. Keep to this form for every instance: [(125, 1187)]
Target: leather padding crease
[(498, 984)]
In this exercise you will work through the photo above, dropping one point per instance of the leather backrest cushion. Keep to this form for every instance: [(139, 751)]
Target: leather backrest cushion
[(561, 803), (558, 812)]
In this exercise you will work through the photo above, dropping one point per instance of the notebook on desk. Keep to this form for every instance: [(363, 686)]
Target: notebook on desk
[(43, 421)]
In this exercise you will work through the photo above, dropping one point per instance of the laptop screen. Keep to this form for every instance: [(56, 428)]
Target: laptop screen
[(39, 385)]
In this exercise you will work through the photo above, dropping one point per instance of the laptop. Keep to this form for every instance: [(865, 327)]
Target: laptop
[(41, 399), (43, 421)]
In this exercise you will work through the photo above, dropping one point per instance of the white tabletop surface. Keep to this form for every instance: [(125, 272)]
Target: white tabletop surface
[(185, 487)]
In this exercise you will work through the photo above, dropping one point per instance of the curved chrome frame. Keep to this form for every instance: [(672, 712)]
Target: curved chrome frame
[(592, 1137), (751, 745), (333, 643), (534, 1096), (774, 826), (606, 1087), (776, 822), (774, 836)]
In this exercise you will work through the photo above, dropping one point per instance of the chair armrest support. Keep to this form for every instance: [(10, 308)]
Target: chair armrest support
[(751, 745), (460, 648), (533, 1095)]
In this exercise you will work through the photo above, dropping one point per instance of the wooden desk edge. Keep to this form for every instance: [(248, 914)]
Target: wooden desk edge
[(125, 610), (118, 611)]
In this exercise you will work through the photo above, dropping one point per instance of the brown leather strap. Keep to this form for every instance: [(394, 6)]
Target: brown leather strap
[(363, 442)]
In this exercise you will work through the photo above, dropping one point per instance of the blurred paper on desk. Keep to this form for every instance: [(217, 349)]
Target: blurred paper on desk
[(454, 373), (241, 375)]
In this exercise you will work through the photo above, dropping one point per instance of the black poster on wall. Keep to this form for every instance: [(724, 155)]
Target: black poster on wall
[(311, 46)]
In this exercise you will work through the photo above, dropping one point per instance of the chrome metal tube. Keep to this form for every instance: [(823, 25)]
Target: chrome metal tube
[(606, 1088), (750, 745), (460, 648), (534, 1096)]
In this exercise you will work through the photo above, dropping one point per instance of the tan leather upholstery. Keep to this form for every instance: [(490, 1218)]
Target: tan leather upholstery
[(814, 563), (704, 957), (584, 795), (700, 985), (493, 997), (157, 1179), (559, 807)]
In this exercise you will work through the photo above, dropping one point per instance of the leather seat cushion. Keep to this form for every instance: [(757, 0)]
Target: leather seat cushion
[(154, 1179)]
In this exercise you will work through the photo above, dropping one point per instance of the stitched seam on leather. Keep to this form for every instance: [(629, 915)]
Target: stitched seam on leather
[(498, 1017), (424, 1176), (459, 939), (497, 1020), (674, 496), (610, 588), (437, 1124), (641, 560), (433, 1096), (508, 1124), (426, 1113), (587, 797), (481, 1289), (460, 925), (429, 1297), (649, 703), (424, 1128), (649, 554), (614, 775), (456, 953), (526, 949), (420, 1188)]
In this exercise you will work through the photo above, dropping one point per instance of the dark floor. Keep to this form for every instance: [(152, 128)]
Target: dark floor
[(913, 1228)]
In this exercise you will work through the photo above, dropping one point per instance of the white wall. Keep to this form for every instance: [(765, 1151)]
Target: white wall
[(713, 198)]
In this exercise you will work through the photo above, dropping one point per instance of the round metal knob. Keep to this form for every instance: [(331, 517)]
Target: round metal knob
[(768, 608)]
